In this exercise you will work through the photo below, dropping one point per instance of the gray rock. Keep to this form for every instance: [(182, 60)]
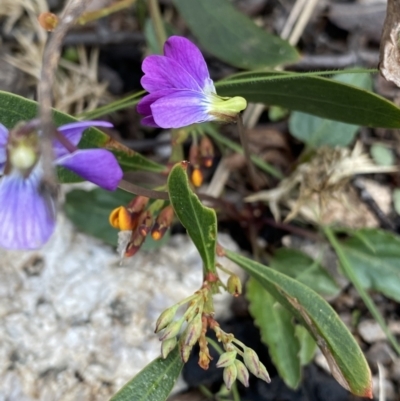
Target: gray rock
[(75, 325)]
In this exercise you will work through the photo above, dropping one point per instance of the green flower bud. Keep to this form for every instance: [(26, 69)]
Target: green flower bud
[(166, 318), (252, 361), (167, 346), (242, 373), (263, 375), (234, 285), (185, 352), (226, 359), (193, 310), (229, 375), (172, 330), (193, 331)]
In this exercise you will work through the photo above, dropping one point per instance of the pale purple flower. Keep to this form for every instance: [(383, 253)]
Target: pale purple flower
[(27, 213), (181, 91)]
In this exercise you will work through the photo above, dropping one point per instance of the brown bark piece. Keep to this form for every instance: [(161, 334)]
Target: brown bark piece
[(389, 64)]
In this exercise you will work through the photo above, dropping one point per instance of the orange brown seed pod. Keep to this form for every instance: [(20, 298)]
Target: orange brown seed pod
[(163, 222), (145, 222), (138, 204), (194, 154), (206, 151), (134, 244)]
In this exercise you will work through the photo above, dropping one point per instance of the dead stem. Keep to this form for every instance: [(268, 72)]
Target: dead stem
[(71, 12)]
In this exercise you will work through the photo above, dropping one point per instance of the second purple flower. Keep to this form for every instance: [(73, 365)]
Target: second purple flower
[(27, 213), (181, 91)]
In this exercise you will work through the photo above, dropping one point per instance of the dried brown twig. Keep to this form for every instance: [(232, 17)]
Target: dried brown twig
[(51, 57)]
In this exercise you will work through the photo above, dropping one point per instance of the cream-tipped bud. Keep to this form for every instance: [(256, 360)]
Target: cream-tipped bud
[(193, 331), (264, 375), (229, 375), (167, 346), (226, 359), (242, 373), (251, 360), (165, 318), (234, 285), (172, 330), (185, 352)]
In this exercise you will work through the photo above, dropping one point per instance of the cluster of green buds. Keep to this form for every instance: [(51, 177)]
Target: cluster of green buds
[(199, 317), (235, 369), (137, 220), (193, 332)]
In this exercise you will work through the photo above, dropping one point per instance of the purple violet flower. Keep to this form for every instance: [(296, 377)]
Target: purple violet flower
[(27, 213), (181, 91)]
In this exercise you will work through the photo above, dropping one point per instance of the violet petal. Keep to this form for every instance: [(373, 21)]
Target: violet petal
[(73, 132), (143, 106), (165, 73), (180, 109), (190, 58), (149, 122), (95, 165), (27, 217), (3, 143)]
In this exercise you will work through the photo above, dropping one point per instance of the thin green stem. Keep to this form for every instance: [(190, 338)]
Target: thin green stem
[(244, 77), (158, 23), (246, 151), (215, 345), (235, 392), (224, 269), (348, 269), (125, 102), (213, 133)]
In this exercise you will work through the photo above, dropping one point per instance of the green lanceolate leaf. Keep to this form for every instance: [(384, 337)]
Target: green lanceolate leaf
[(315, 95), (316, 131), (154, 382), (277, 332), (15, 108), (308, 271), (345, 358), (375, 258), (199, 220), (232, 37)]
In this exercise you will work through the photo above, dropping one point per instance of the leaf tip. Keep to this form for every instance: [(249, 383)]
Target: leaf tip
[(368, 393)]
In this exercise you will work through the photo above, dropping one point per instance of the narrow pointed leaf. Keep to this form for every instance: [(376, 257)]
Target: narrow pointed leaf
[(154, 382), (345, 358), (314, 95), (200, 221), (277, 332), (15, 108), (232, 37)]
